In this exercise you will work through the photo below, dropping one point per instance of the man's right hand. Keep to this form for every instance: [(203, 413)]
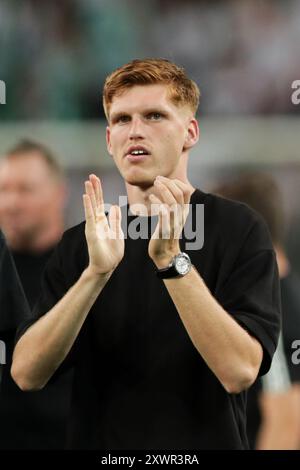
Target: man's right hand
[(104, 237)]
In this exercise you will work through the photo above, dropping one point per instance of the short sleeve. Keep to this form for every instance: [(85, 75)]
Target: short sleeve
[(52, 290), (54, 286), (251, 293)]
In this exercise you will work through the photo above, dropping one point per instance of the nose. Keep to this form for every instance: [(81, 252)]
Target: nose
[(136, 129)]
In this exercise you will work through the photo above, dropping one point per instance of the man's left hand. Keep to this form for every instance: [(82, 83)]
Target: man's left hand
[(173, 206)]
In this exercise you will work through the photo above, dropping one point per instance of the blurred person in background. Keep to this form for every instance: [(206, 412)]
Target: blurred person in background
[(14, 308), (274, 401), (32, 201)]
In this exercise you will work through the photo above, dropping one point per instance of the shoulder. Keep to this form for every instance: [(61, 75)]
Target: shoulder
[(73, 237), (227, 209), (75, 232), (70, 255), (221, 205), (235, 221)]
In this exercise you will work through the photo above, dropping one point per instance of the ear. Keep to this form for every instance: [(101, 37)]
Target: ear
[(192, 134), (108, 143)]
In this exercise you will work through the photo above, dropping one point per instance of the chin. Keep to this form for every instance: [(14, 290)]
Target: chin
[(140, 180)]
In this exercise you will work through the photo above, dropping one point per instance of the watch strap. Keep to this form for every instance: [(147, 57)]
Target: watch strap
[(167, 273), (172, 271)]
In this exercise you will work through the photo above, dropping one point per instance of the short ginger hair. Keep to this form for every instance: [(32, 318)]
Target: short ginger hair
[(183, 90)]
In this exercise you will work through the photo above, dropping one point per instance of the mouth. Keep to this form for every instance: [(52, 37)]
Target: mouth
[(137, 154)]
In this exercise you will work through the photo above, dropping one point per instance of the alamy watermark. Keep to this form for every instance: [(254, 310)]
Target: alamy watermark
[(296, 353), (2, 92), (187, 220), (295, 97), (2, 352)]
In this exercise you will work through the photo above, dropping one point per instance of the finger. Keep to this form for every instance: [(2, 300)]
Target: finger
[(155, 203), (162, 210), (91, 193), (176, 221), (99, 213), (164, 192), (88, 211), (119, 230), (98, 192), (175, 209), (164, 222), (175, 190), (115, 219), (174, 228), (185, 190)]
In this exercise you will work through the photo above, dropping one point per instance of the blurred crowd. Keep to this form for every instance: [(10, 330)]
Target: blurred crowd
[(55, 54)]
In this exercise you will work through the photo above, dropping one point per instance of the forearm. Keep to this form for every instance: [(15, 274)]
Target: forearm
[(47, 342), (229, 351)]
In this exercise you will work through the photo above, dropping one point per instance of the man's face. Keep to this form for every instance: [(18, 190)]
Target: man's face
[(28, 197), (148, 135)]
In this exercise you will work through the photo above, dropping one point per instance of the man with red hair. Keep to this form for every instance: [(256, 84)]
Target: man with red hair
[(165, 337)]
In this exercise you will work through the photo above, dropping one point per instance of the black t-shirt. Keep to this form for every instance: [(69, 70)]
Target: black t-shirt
[(31, 420), (13, 304), (139, 381), (30, 267), (14, 308)]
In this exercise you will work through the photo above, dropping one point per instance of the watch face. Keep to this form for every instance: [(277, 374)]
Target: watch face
[(182, 264)]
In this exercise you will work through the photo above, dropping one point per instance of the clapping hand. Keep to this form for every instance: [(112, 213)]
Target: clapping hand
[(105, 238), (172, 199)]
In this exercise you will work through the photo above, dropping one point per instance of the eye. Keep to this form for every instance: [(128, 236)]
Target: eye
[(155, 116), (123, 118)]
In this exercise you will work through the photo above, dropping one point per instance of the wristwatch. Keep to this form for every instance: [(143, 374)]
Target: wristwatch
[(179, 266)]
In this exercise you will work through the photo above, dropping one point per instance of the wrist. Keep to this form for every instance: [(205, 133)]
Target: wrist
[(91, 273), (164, 259)]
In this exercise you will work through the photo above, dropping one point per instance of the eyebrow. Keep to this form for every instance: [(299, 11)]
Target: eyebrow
[(152, 109), (156, 109), (115, 116)]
